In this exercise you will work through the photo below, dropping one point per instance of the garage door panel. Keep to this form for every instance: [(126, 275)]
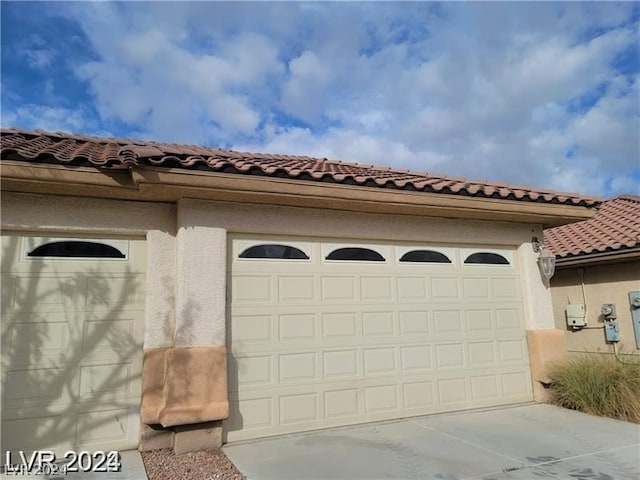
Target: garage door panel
[(479, 322), (509, 319), (416, 358), (449, 355), (298, 367), (37, 386), (418, 395), (103, 427), (256, 370), (339, 325), (505, 289), (412, 288), (299, 409), (300, 327), (444, 288), (381, 398), (379, 361), (332, 343), (253, 329), (341, 364), (485, 387), (452, 392), (296, 288), (378, 324), (107, 382), (32, 293), (512, 351), (252, 289), (376, 289), (342, 403), (338, 289), (414, 322), (112, 337), (34, 432), (481, 353), (446, 322), (104, 292), (22, 333), (475, 288), (516, 384)]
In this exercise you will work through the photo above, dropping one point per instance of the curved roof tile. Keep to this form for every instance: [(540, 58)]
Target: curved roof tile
[(115, 154), (615, 226)]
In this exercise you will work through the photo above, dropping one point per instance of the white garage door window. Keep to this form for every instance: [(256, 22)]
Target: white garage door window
[(72, 330), (334, 333)]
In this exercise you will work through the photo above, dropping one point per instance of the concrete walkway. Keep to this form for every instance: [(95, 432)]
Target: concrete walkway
[(525, 442)]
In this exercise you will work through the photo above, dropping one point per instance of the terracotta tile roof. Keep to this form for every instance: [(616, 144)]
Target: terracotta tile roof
[(616, 226), (114, 154)]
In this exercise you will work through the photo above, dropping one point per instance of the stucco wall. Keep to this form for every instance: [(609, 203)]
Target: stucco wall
[(609, 283), (201, 284), (91, 216), (265, 219), (186, 249)]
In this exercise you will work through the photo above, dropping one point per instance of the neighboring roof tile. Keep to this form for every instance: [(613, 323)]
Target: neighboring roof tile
[(615, 226), (114, 154)]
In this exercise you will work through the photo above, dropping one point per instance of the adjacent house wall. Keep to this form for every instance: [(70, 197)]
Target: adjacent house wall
[(605, 283)]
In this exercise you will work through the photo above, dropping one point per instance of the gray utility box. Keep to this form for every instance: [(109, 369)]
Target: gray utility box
[(611, 332), (634, 300)]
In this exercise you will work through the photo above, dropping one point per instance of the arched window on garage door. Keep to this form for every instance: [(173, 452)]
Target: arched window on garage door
[(76, 249), (282, 252), (486, 258), (424, 256), (357, 254)]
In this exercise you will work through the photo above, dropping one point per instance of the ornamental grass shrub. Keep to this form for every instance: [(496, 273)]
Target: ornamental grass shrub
[(598, 384)]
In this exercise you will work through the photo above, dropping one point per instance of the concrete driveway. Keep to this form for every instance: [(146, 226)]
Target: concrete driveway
[(524, 442)]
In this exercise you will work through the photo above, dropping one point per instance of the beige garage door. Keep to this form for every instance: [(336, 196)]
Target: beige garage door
[(72, 329), (334, 333)]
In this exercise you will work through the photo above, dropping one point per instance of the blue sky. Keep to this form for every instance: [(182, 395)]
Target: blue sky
[(541, 94)]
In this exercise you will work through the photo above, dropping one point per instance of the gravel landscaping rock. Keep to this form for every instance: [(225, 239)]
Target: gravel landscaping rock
[(202, 465)]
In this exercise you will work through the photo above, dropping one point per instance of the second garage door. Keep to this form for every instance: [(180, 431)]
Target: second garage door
[(330, 333), (72, 329)]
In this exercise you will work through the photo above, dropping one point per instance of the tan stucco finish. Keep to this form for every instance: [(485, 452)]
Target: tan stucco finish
[(153, 377), (183, 386), (545, 347), (195, 388), (610, 283)]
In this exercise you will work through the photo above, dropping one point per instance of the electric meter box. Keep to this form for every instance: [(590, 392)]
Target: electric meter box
[(576, 313)]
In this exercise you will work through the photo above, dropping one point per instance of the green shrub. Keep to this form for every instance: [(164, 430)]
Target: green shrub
[(599, 385)]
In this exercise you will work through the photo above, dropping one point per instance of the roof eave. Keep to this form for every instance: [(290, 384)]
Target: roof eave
[(169, 185), (610, 256)]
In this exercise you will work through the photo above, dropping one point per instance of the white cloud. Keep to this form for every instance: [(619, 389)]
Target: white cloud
[(39, 58), (524, 93), (47, 118), (304, 93)]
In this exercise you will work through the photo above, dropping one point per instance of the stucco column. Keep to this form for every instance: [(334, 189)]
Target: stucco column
[(159, 329), (200, 285), (546, 344), (195, 389), (185, 387), (159, 333)]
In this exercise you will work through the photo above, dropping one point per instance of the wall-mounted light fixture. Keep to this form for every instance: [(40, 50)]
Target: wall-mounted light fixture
[(546, 260)]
